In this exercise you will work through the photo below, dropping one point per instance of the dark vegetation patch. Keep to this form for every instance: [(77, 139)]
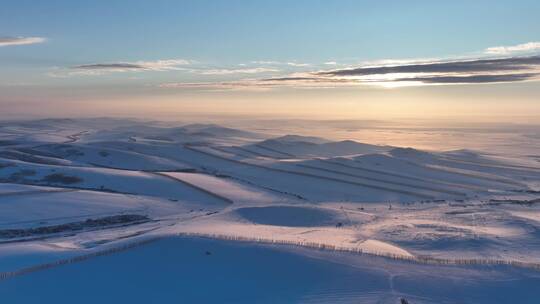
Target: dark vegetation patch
[(75, 226), (496, 202), (460, 212), (21, 175), (36, 152), (8, 142), (16, 155), (62, 179), (527, 191), (68, 151), (157, 137), (5, 165), (73, 152), (201, 134)]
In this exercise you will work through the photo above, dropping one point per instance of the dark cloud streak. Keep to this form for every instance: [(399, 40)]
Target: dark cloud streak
[(109, 66), (465, 66), (471, 79)]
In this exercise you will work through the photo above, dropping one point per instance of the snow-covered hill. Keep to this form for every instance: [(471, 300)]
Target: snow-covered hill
[(73, 189)]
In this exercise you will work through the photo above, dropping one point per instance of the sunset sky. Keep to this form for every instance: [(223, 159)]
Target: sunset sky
[(311, 59)]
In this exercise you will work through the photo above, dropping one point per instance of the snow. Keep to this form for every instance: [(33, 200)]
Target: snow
[(60, 207), (124, 181), (263, 206), (237, 192), (18, 188), (290, 216), (174, 269), (297, 146), (115, 158)]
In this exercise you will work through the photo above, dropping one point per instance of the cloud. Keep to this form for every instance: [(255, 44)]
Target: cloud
[(272, 62), (158, 65), (241, 85), (520, 48), (173, 65), (496, 68), (266, 62), (295, 64), (9, 41), (462, 71), (109, 66), (472, 79), (165, 65), (463, 66), (237, 71), (261, 84), (214, 86), (115, 67), (465, 71), (503, 65)]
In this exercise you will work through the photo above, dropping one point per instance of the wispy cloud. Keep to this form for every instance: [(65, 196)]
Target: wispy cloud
[(520, 48), (471, 79), (262, 84), (433, 72), (496, 65), (165, 65), (96, 69), (157, 65), (266, 62), (9, 41), (242, 85), (113, 67), (462, 66), (237, 71), (278, 63), (161, 65), (296, 64)]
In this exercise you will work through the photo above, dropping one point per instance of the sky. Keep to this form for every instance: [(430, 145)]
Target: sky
[(468, 60)]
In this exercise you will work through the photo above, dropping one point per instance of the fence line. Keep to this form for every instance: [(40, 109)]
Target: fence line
[(79, 258), (416, 259), (320, 246)]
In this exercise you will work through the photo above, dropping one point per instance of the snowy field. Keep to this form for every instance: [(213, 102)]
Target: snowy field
[(174, 269), (290, 218)]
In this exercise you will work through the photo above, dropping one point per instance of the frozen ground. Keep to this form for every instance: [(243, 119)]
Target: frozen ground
[(428, 226), (187, 270)]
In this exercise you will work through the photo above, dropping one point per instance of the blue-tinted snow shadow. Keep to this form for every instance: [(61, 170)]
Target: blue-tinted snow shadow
[(197, 270)]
